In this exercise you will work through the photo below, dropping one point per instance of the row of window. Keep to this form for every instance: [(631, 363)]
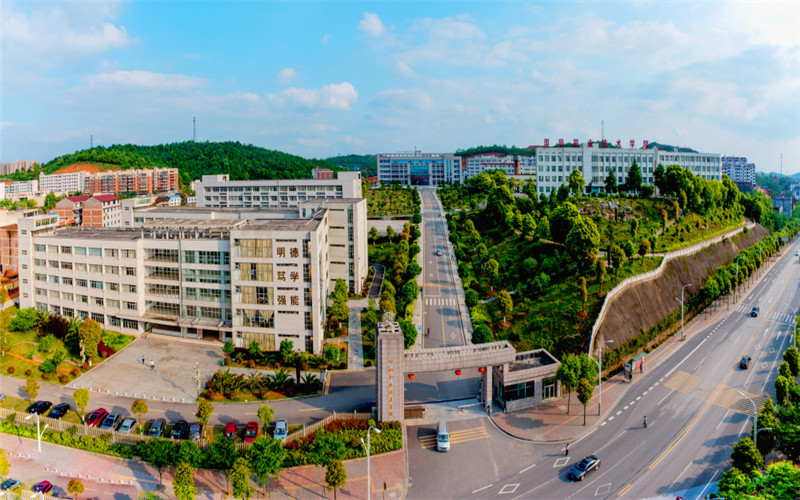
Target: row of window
[(84, 283), (82, 267), (85, 299), (257, 189), (130, 324), (91, 251)]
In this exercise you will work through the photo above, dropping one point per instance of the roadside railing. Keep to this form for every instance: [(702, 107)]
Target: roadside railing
[(310, 429)]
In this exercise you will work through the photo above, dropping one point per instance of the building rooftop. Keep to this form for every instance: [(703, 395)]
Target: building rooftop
[(531, 359)]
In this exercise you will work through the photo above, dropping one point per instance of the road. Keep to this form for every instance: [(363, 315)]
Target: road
[(689, 394)]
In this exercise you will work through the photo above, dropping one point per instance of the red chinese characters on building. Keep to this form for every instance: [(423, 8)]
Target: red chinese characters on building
[(575, 142), (645, 144), (605, 143), (561, 142), (619, 143), (633, 144), (591, 142), (547, 143)]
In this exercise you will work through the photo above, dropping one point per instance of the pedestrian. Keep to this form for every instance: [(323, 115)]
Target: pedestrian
[(152, 364), (142, 359), (566, 450)]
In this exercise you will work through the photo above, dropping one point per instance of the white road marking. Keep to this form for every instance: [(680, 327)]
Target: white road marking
[(665, 397), (481, 489), (511, 489), (526, 469), (560, 462)]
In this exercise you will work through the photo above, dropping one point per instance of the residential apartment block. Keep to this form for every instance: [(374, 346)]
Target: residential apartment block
[(16, 166), (227, 278), (555, 164), (739, 170), (220, 191), (112, 181), (419, 169), (101, 210), (16, 190), (72, 182), (510, 164)]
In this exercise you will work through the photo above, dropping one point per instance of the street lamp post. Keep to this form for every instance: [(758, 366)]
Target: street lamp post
[(600, 374), (755, 419), (377, 431), (791, 328), (683, 335), (737, 277), (38, 432)]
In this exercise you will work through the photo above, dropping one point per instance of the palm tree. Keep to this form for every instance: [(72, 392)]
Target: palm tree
[(281, 380), (74, 327), (42, 317)]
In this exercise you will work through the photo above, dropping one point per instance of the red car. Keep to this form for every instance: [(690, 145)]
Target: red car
[(230, 431), (43, 487), (251, 432), (96, 417)]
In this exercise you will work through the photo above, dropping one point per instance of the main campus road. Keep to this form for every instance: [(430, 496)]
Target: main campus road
[(689, 395)]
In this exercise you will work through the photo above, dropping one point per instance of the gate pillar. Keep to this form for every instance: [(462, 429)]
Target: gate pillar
[(390, 397)]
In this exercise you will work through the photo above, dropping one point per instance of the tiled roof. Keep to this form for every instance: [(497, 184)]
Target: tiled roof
[(78, 199), (105, 197)]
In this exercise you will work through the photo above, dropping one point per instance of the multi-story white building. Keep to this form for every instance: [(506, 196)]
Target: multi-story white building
[(739, 170), (230, 279), (23, 189), (62, 183), (220, 191), (419, 169), (555, 164), (510, 164)]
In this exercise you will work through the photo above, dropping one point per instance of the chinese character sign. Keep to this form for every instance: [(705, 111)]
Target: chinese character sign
[(605, 143), (294, 275), (561, 142), (281, 275), (295, 300), (633, 144), (547, 143), (619, 143), (281, 252), (591, 142), (645, 144), (294, 253), (281, 300), (575, 142)]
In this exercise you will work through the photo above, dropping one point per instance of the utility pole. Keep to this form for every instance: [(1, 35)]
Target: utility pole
[(91, 141), (194, 129)]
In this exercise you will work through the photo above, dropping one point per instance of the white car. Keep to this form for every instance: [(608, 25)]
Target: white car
[(439, 252), (128, 425), (281, 429)]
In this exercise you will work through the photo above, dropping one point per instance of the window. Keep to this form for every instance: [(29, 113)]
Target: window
[(162, 255), (518, 391), (163, 308), (211, 313), (54, 264), (68, 312), (52, 249), (128, 254), (80, 282), (66, 265), (113, 321), (98, 317), (549, 386), (54, 279), (250, 271), (39, 262), (130, 271), (130, 288), (130, 324), (114, 287), (80, 267), (163, 290), (259, 319), (261, 295), (83, 314), (95, 252), (83, 299), (95, 268), (112, 270), (67, 296), (255, 248), (66, 250), (112, 303), (111, 252), (80, 250), (98, 301), (39, 248), (206, 276), (96, 284), (131, 306), (309, 320), (66, 281), (40, 291)]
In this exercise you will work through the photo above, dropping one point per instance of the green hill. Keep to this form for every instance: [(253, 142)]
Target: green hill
[(193, 159), (367, 164)]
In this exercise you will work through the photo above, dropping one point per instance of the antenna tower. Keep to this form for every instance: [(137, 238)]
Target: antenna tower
[(91, 141), (194, 129)]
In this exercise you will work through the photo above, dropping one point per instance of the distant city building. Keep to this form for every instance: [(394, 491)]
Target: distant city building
[(739, 170), (322, 173), (419, 169), (511, 164), (101, 210), (72, 182), (783, 203), (174, 200), (143, 181), (7, 168), (220, 191), (555, 164), (15, 190)]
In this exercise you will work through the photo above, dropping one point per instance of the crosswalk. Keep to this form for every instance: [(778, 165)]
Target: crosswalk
[(778, 316), (462, 436), (718, 394), (439, 301)]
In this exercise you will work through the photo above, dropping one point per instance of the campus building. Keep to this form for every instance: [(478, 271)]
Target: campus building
[(419, 169), (555, 164), (62, 183), (510, 164), (16, 190), (223, 278), (101, 210), (739, 170), (220, 191), (112, 181)]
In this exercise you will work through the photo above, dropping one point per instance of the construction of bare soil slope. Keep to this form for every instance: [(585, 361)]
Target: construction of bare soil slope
[(642, 305)]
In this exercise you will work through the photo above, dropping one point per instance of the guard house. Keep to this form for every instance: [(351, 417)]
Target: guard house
[(527, 381)]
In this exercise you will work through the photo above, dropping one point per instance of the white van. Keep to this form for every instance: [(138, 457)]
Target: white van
[(442, 437)]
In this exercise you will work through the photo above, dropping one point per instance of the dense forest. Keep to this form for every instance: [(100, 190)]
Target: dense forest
[(778, 184), (193, 159), (367, 164), (503, 150)]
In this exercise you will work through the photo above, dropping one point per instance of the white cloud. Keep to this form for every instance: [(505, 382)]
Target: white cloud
[(372, 25), (325, 39), (354, 141), (403, 100), (332, 96), (286, 76), (145, 80), (322, 128), (193, 56), (316, 143), (404, 70)]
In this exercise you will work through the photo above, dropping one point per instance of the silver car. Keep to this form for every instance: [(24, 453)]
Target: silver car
[(281, 429), (111, 422), (128, 425)]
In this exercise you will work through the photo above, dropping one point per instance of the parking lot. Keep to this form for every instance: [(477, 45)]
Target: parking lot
[(172, 377)]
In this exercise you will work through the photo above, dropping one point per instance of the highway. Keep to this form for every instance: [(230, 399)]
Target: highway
[(689, 395)]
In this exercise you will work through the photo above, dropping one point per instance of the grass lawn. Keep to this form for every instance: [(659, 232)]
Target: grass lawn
[(387, 201)]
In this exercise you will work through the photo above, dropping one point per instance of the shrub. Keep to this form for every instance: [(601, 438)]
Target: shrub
[(75, 372), (48, 366), (10, 369), (63, 378), (46, 375), (251, 363), (104, 350), (28, 372)]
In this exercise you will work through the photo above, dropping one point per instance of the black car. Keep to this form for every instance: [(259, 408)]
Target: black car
[(583, 467), (745, 362), (754, 312), (39, 407), (157, 427), (180, 430), (9, 484), (59, 410)]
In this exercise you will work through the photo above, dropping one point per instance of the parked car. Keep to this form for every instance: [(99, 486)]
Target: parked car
[(2, 397), (39, 407), (230, 431), (583, 467), (251, 432), (111, 422), (157, 427), (745, 362), (281, 429), (439, 252), (128, 425), (179, 430), (96, 417), (195, 431), (59, 410), (754, 312), (9, 484), (43, 487)]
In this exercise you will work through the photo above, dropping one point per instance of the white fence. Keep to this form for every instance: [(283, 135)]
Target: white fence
[(654, 273)]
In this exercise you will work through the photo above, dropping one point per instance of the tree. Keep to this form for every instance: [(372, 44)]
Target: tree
[(562, 220), (611, 183), (265, 414), (90, 333), (634, 181), (782, 385), (583, 242), (506, 303), (220, 454), (183, 484), (766, 420), (188, 451), (239, 476), (409, 292), (616, 257), (285, 350), (746, 457), (31, 388), (491, 269), (265, 457), (792, 357), (75, 487), (482, 334), (160, 453), (629, 250), (585, 391), (373, 234), (568, 374), (582, 292), (254, 349), (644, 248), (335, 476), (326, 448), (576, 182), (4, 465), (24, 320), (471, 298), (139, 408), (204, 412), (634, 227), (81, 398), (600, 272)]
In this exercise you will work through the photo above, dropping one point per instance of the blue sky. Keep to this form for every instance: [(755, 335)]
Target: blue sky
[(319, 79)]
